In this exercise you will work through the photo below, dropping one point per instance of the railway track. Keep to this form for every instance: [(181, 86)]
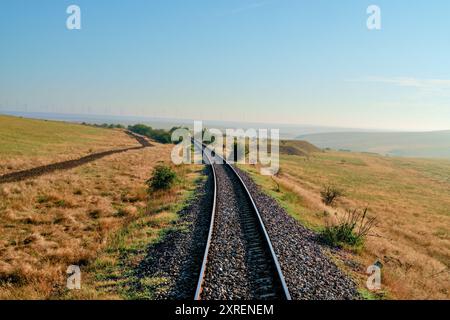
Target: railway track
[(239, 260)]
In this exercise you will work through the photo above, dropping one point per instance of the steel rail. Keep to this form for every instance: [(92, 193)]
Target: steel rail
[(267, 240), (198, 291), (266, 237)]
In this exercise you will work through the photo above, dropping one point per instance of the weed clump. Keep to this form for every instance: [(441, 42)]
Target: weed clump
[(330, 194), (349, 230)]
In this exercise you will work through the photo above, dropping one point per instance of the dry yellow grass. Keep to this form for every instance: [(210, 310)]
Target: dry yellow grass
[(113, 274), (26, 143), (64, 218), (409, 197)]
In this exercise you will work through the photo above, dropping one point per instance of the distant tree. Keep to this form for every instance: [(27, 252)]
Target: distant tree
[(159, 135)]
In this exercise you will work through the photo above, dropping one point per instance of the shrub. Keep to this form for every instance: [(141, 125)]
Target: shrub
[(351, 229), (159, 135), (330, 194), (162, 178)]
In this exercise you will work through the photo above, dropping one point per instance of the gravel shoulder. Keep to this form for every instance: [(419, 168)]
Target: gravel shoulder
[(309, 273), (174, 263)]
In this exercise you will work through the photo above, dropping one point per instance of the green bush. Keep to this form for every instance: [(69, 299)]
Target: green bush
[(162, 178), (330, 194), (159, 135), (350, 230)]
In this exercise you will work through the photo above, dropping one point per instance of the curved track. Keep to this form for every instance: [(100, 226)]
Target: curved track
[(239, 260)]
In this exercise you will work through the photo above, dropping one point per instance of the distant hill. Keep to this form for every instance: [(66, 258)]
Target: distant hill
[(287, 131), (297, 148), (405, 144)]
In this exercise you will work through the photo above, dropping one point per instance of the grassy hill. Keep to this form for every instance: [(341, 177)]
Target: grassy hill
[(99, 215), (26, 143), (409, 197), (405, 144), (20, 136), (297, 148)]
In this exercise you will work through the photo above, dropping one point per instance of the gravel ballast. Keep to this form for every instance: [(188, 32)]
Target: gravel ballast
[(178, 257), (309, 273), (239, 265)]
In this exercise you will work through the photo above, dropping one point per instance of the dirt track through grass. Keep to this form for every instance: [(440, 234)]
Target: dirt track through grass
[(70, 164)]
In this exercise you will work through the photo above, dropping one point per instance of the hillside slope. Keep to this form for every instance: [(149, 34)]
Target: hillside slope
[(27, 143), (95, 214), (297, 148), (410, 199), (405, 144)]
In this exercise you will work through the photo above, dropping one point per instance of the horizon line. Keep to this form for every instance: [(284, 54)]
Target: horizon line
[(168, 119)]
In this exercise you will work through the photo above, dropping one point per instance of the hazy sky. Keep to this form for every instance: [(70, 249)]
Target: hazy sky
[(286, 61)]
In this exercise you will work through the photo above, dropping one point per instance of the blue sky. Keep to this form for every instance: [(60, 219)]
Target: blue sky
[(281, 61)]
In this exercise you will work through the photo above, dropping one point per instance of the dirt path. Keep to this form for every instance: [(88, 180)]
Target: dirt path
[(70, 164)]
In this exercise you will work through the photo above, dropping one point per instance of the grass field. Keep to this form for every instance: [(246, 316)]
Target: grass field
[(82, 216), (409, 197), (100, 216), (112, 275), (25, 143), (68, 217)]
